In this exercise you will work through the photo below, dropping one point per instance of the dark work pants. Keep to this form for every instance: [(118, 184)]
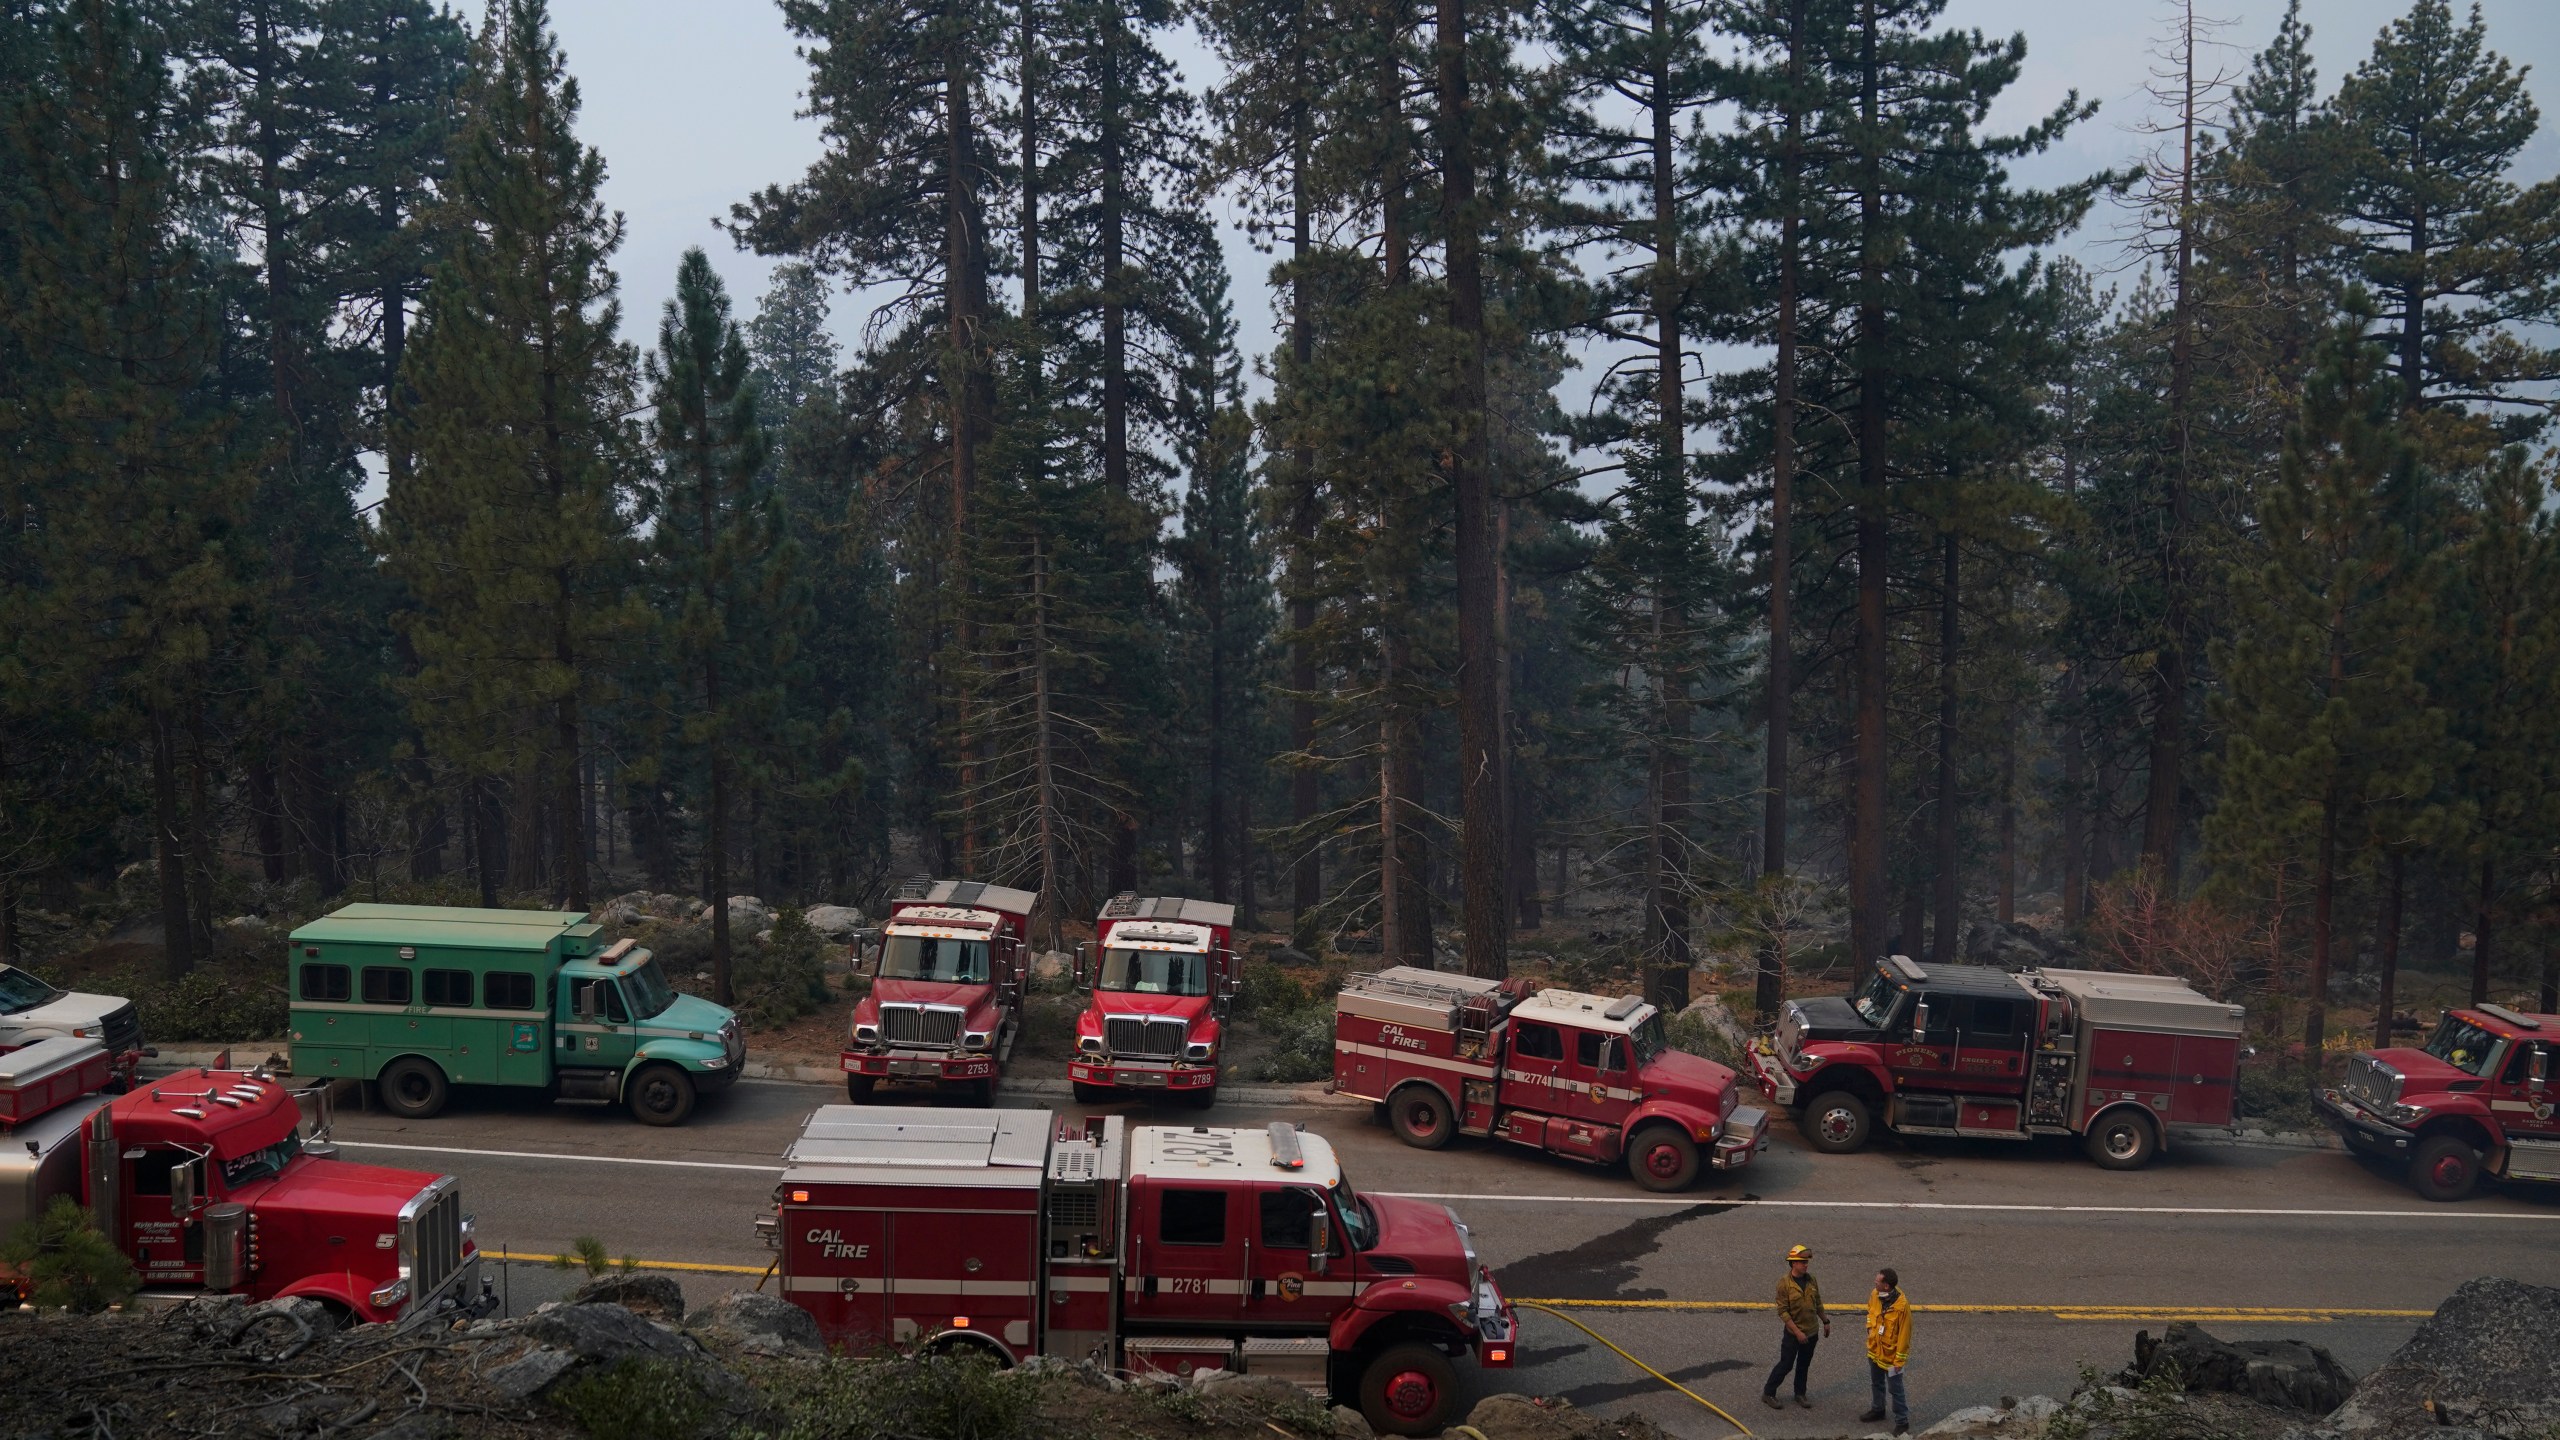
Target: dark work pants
[(1793, 1354), (1879, 1380)]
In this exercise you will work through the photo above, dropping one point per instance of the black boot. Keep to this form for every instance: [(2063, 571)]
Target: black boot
[(1871, 1417)]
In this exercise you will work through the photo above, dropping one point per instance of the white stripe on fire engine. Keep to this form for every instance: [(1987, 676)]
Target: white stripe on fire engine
[(2518, 1106), (871, 1285), (1427, 1062), (1188, 1285), (1533, 1077)]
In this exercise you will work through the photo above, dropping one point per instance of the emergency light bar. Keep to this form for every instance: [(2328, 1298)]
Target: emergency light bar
[(616, 950), (2521, 1022), (1624, 1008), (1285, 1154), (1909, 968)]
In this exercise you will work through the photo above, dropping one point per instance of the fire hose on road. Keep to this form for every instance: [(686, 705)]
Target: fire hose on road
[(1632, 1360)]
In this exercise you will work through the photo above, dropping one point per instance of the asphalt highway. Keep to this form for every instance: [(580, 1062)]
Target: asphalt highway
[(2027, 1265)]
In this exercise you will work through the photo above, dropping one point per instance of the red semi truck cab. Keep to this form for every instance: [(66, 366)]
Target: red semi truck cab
[(1161, 987), (946, 990), (1158, 1248), (1982, 1053), (205, 1180), (2480, 1097), (1589, 1076)]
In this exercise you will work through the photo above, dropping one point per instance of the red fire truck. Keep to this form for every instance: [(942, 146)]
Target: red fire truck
[(1982, 1053), (205, 1180), (2478, 1098), (1589, 1076), (946, 990), (1160, 992), (1160, 1249)]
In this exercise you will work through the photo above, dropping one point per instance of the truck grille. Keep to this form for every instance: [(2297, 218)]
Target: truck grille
[(927, 1026), (121, 1030), (2371, 1081), (1145, 1037), (432, 1233)]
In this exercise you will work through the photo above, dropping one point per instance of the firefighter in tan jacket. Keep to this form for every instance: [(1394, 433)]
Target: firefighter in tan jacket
[(1888, 1347)]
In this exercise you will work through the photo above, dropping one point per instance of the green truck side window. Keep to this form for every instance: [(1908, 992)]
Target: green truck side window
[(507, 990), (324, 982), (385, 986), (448, 987)]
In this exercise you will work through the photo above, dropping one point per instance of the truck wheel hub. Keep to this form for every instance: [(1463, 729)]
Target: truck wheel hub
[(1836, 1124), (1662, 1160), (1411, 1395), (2449, 1170), (2121, 1141)]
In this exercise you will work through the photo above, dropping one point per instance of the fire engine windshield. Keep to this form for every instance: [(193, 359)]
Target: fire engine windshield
[(1154, 972), (928, 957), (261, 1163), (1358, 1225), (1875, 1003), (2461, 1044), (22, 991), (1649, 1040), (646, 987)]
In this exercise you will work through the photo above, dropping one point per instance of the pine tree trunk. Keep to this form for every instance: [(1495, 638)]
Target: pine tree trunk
[(2071, 811), (266, 803), (1307, 875), (969, 390), (2324, 894), (1769, 989), (2485, 913), (201, 858), (1029, 101), (2160, 815), (715, 833), (1949, 799), (1217, 761), (1390, 858), (1866, 820), (2009, 819), (2387, 945), (1667, 982), (168, 850), (1045, 752)]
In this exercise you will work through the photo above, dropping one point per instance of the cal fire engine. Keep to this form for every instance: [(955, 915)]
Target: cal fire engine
[(1142, 1248), (1589, 1076), (946, 990), (1982, 1053), (2478, 1098), (204, 1179), (1161, 989)]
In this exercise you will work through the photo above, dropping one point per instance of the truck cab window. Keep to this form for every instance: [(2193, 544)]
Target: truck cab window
[(600, 1000), (1154, 972), (324, 982), (1946, 1018), (1595, 1052), (385, 986), (2520, 1065), (1288, 1217), (1993, 1020), (1537, 1042), (1192, 1217), (647, 986), (22, 991), (929, 957), (2462, 1045), (151, 1169), (1875, 1003), (507, 990), (447, 987)]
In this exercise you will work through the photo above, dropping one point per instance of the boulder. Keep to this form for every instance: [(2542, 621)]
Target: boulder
[(1268, 1392), (532, 1354), (757, 1324), (2483, 1361), (2014, 945), (1050, 965), (835, 922), (1289, 955), (1517, 1417), (653, 1297), (2289, 1373), (1350, 1424), (748, 913), (2019, 1418)]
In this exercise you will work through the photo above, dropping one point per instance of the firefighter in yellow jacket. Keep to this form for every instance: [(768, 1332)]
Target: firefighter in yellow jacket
[(1888, 1347)]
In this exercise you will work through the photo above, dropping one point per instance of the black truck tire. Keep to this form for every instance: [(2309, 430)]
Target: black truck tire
[(412, 1088), (1837, 1122), (1090, 1094), (1408, 1389), (2444, 1168), (1201, 1099), (859, 1088), (1663, 1158), (2122, 1140), (661, 1095), (1422, 1117)]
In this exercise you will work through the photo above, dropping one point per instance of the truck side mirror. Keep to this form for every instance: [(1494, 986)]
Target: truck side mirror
[(1613, 1056), (1320, 1241), (2537, 1067), (183, 1186), (582, 999), (1084, 958), (1920, 1022)]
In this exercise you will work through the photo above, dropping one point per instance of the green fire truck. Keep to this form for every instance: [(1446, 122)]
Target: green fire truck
[(419, 998)]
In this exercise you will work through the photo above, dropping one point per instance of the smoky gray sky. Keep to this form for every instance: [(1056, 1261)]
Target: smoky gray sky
[(694, 104)]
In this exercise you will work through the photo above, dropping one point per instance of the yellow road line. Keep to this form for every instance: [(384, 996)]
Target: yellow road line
[(2297, 1314), (642, 1264)]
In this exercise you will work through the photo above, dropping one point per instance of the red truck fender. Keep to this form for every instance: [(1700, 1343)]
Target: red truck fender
[(1439, 1301), (340, 1288), (1846, 1062), (1698, 1124)]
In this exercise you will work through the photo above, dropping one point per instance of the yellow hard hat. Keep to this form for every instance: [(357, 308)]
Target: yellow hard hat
[(1799, 1252)]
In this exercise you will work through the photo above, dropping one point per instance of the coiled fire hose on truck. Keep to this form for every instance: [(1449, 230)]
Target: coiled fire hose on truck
[(1738, 1426)]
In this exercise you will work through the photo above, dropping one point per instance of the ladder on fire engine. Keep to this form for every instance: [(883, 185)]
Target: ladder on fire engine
[(1475, 1011)]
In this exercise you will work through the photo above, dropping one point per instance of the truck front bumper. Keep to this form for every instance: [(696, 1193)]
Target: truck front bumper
[(2361, 1128), (1745, 1134), (1770, 1071), (1497, 1324), (921, 1067), (1142, 1074)]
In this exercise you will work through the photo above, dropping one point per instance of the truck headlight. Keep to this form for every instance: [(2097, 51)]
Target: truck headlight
[(866, 1034), (716, 1062), (976, 1040), (1198, 1051), (2406, 1114), (1089, 1044), (391, 1294)]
